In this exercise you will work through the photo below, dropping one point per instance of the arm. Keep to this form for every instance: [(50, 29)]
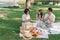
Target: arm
[(52, 20), (36, 17), (45, 18), (27, 20), (24, 19), (39, 17)]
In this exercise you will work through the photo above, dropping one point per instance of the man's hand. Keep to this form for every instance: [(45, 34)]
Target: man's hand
[(48, 17)]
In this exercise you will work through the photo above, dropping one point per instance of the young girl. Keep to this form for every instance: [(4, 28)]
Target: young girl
[(39, 18)]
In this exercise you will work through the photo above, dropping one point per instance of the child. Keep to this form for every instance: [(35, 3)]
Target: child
[(39, 18)]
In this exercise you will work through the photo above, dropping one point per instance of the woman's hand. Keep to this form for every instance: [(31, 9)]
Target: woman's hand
[(29, 19)]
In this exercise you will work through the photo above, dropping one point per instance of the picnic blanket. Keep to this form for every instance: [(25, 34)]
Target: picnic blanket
[(54, 30), (44, 34)]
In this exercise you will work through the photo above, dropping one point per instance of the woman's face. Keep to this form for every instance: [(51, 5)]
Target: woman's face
[(39, 13), (28, 12)]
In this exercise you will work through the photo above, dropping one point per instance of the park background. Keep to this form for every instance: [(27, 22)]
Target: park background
[(11, 12)]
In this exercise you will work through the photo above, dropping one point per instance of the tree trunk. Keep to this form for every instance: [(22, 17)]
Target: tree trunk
[(28, 4)]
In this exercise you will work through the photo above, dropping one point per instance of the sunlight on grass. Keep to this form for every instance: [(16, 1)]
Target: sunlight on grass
[(16, 18), (5, 27), (18, 9), (47, 8), (5, 18)]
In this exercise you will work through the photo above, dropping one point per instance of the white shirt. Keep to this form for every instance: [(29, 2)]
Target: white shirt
[(52, 16), (25, 17)]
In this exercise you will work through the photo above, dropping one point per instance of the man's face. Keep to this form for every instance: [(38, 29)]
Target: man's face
[(48, 12)]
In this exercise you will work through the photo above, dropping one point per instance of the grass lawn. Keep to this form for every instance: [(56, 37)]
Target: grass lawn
[(10, 23)]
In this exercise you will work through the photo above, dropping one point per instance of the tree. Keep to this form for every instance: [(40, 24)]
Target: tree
[(28, 3)]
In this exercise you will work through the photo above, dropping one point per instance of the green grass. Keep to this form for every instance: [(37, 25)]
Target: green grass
[(9, 25)]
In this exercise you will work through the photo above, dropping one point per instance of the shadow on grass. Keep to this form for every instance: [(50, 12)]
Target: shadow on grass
[(9, 29), (10, 24), (8, 34)]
